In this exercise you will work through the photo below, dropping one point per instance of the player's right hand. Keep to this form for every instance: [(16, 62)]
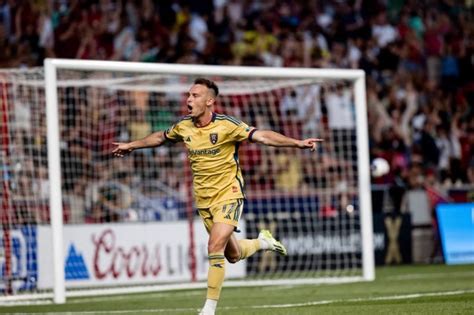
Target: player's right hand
[(121, 149)]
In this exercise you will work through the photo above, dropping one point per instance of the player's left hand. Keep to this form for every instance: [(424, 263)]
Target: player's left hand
[(310, 143)]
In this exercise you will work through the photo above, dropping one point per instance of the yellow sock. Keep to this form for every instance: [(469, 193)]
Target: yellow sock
[(248, 247), (215, 276)]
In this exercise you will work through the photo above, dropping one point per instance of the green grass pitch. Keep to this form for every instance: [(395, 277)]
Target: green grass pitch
[(434, 289)]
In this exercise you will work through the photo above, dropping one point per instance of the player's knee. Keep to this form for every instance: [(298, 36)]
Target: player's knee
[(215, 246), (232, 258)]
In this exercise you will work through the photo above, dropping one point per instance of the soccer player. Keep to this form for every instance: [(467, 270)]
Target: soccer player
[(212, 141)]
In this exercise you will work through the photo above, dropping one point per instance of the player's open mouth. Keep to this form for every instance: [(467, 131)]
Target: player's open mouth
[(190, 108)]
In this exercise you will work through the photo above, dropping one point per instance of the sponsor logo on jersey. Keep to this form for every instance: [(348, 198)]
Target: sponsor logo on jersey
[(204, 152)]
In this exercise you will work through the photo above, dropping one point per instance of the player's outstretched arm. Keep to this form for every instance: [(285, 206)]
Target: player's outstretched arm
[(153, 140), (275, 139)]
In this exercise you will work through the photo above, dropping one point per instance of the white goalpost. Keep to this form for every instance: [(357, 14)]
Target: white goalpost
[(129, 225)]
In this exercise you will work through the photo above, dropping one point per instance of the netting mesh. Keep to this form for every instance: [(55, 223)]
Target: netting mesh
[(307, 199)]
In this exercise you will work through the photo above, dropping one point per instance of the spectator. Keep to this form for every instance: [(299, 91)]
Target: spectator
[(288, 171), (382, 30), (339, 107), (417, 57)]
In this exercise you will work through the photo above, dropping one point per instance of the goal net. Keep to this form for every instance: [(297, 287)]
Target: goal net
[(74, 218)]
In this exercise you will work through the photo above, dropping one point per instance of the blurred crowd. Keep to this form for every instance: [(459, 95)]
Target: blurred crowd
[(418, 57)]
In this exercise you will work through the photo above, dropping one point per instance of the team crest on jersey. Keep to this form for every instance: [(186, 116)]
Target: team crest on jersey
[(213, 138)]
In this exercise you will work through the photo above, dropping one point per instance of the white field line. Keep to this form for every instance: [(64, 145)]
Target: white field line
[(379, 298), (288, 305), (414, 276)]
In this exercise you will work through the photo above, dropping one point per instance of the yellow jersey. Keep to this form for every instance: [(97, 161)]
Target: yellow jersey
[(213, 154)]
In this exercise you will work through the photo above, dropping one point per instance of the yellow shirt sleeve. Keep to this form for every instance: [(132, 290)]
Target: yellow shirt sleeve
[(173, 133), (241, 132)]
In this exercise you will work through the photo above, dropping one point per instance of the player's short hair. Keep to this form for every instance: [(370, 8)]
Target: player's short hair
[(209, 84)]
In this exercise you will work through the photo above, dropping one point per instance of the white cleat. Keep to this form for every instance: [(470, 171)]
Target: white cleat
[(209, 307), (273, 244)]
